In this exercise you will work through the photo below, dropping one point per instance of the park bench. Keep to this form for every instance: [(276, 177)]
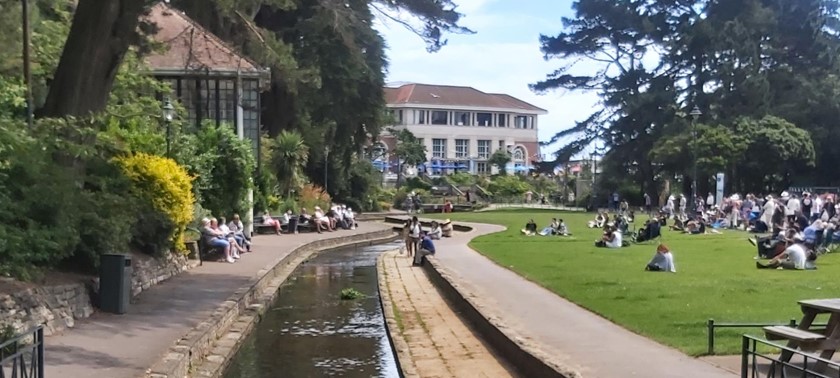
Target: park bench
[(204, 250)]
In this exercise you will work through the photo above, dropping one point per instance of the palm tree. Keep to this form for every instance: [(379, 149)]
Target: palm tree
[(289, 156)]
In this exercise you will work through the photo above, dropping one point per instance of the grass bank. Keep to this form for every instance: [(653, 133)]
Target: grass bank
[(716, 278)]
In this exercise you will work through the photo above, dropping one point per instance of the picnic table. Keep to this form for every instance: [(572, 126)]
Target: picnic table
[(807, 338)]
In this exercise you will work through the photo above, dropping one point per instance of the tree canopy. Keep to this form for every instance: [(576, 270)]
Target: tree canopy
[(760, 71)]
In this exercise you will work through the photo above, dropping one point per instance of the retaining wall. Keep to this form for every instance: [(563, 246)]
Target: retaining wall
[(206, 350)]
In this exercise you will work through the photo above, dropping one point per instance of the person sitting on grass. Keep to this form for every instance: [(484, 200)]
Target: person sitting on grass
[(662, 261), (610, 239), (213, 239), (550, 229), (600, 221), (795, 257), (562, 229), (651, 230), (530, 228), (426, 247), (695, 227)]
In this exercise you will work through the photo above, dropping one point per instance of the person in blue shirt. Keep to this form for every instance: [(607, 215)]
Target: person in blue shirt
[(427, 247)]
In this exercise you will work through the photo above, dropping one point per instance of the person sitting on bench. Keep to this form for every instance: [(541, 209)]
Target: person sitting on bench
[(662, 261), (426, 247), (794, 257), (238, 229), (530, 228), (213, 239), (268, 221)]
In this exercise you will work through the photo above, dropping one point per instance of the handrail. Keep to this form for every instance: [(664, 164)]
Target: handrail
[(20, 352), (749, 347)]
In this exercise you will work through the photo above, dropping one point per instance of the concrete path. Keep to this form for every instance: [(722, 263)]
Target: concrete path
[(118, 346), (440, 344), (579, 339), (499, 206)]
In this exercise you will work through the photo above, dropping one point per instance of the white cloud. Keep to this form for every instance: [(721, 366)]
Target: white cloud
[(505, 66)]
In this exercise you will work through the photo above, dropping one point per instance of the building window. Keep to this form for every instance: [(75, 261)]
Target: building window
[(518, 155), (501, 144), (482, 168), (462, 148), (483, 149), (521, 122), (421, 117), (531, 122), (463, 119), (397, 115), (251, 113), (502, 120), (439, 117), (484, 119), (439, 148), (227, 102)]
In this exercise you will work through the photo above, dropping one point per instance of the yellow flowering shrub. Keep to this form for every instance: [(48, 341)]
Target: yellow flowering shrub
[(166, 186)]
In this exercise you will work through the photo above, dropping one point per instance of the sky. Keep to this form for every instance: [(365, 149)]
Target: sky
[(502, 56)]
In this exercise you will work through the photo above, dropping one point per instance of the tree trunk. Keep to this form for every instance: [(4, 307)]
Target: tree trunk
[(100, 35)]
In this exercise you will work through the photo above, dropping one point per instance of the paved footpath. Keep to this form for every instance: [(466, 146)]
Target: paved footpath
[(577, 338), (439, 342), (118, 346)]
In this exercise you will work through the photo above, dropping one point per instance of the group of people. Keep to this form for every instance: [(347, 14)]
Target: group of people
[(230, 238), (556, 227), (337, 217), (419, 243)]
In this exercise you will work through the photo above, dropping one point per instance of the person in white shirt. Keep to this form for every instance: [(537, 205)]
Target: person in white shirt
[(612, 238), (662, 261), (795, 257), (350, 217), (616, 240), (436, 232), (238, 229), (710, 200), (321, 220), (793, 208)]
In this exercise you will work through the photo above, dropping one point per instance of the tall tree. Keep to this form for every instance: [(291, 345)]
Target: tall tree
[(101, 33)]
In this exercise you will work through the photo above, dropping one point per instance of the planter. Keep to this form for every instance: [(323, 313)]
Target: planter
[(192, 248)]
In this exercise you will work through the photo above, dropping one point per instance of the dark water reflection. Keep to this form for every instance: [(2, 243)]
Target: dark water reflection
[(311, 332)]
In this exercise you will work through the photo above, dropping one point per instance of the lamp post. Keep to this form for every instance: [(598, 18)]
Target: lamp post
[(168, 116), (695, 114), (326, 167), (27, 71)]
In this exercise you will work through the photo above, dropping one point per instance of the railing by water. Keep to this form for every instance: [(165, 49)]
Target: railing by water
[(23, 355), (755, 364)]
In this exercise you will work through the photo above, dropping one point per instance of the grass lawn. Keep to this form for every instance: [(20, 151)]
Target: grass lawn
[(716, 278)]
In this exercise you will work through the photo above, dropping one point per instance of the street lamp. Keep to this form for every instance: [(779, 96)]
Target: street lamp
[(168, 115), (326, 167), (695, 114)]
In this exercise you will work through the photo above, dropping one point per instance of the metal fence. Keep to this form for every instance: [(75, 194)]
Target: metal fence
[(755, 364), (23, 356)]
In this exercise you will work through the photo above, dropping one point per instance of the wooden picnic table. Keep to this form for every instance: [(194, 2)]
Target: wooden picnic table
[(805, 337)]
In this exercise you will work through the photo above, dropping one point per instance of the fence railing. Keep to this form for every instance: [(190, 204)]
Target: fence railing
[(23, 355), (755, 364)]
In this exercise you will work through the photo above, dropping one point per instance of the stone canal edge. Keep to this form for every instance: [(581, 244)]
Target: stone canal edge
[(206, 350), (393, 326)]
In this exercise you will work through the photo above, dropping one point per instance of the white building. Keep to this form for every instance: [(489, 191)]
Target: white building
[(462, 126)]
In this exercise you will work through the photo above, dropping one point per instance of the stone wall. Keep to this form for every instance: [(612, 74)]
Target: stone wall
[(58, 307)]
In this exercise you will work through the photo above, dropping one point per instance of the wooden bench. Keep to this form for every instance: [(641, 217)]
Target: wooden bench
[(806, 340)]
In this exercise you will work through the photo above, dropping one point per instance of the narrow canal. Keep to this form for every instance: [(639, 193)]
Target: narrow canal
[(312, 332)]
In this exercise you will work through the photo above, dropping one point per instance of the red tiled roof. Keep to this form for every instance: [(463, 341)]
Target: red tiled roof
[(190, 47), (445, 95)]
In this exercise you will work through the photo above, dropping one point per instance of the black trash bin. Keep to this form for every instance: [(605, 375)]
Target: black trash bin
[(114, 283)]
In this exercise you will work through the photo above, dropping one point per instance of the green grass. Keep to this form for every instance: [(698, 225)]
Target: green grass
[(716, 278)]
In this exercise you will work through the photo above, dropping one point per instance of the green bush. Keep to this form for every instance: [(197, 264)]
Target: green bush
[(231, 170), (508, 186), (415, 183)]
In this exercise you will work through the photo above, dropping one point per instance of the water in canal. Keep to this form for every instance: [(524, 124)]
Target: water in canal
[(311, 332)]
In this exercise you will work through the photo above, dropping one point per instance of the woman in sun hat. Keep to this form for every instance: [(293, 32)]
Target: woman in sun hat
[(662, 261), (446, 227)]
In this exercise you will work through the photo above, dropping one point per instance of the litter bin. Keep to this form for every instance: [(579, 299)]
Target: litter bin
[(114, 283)]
